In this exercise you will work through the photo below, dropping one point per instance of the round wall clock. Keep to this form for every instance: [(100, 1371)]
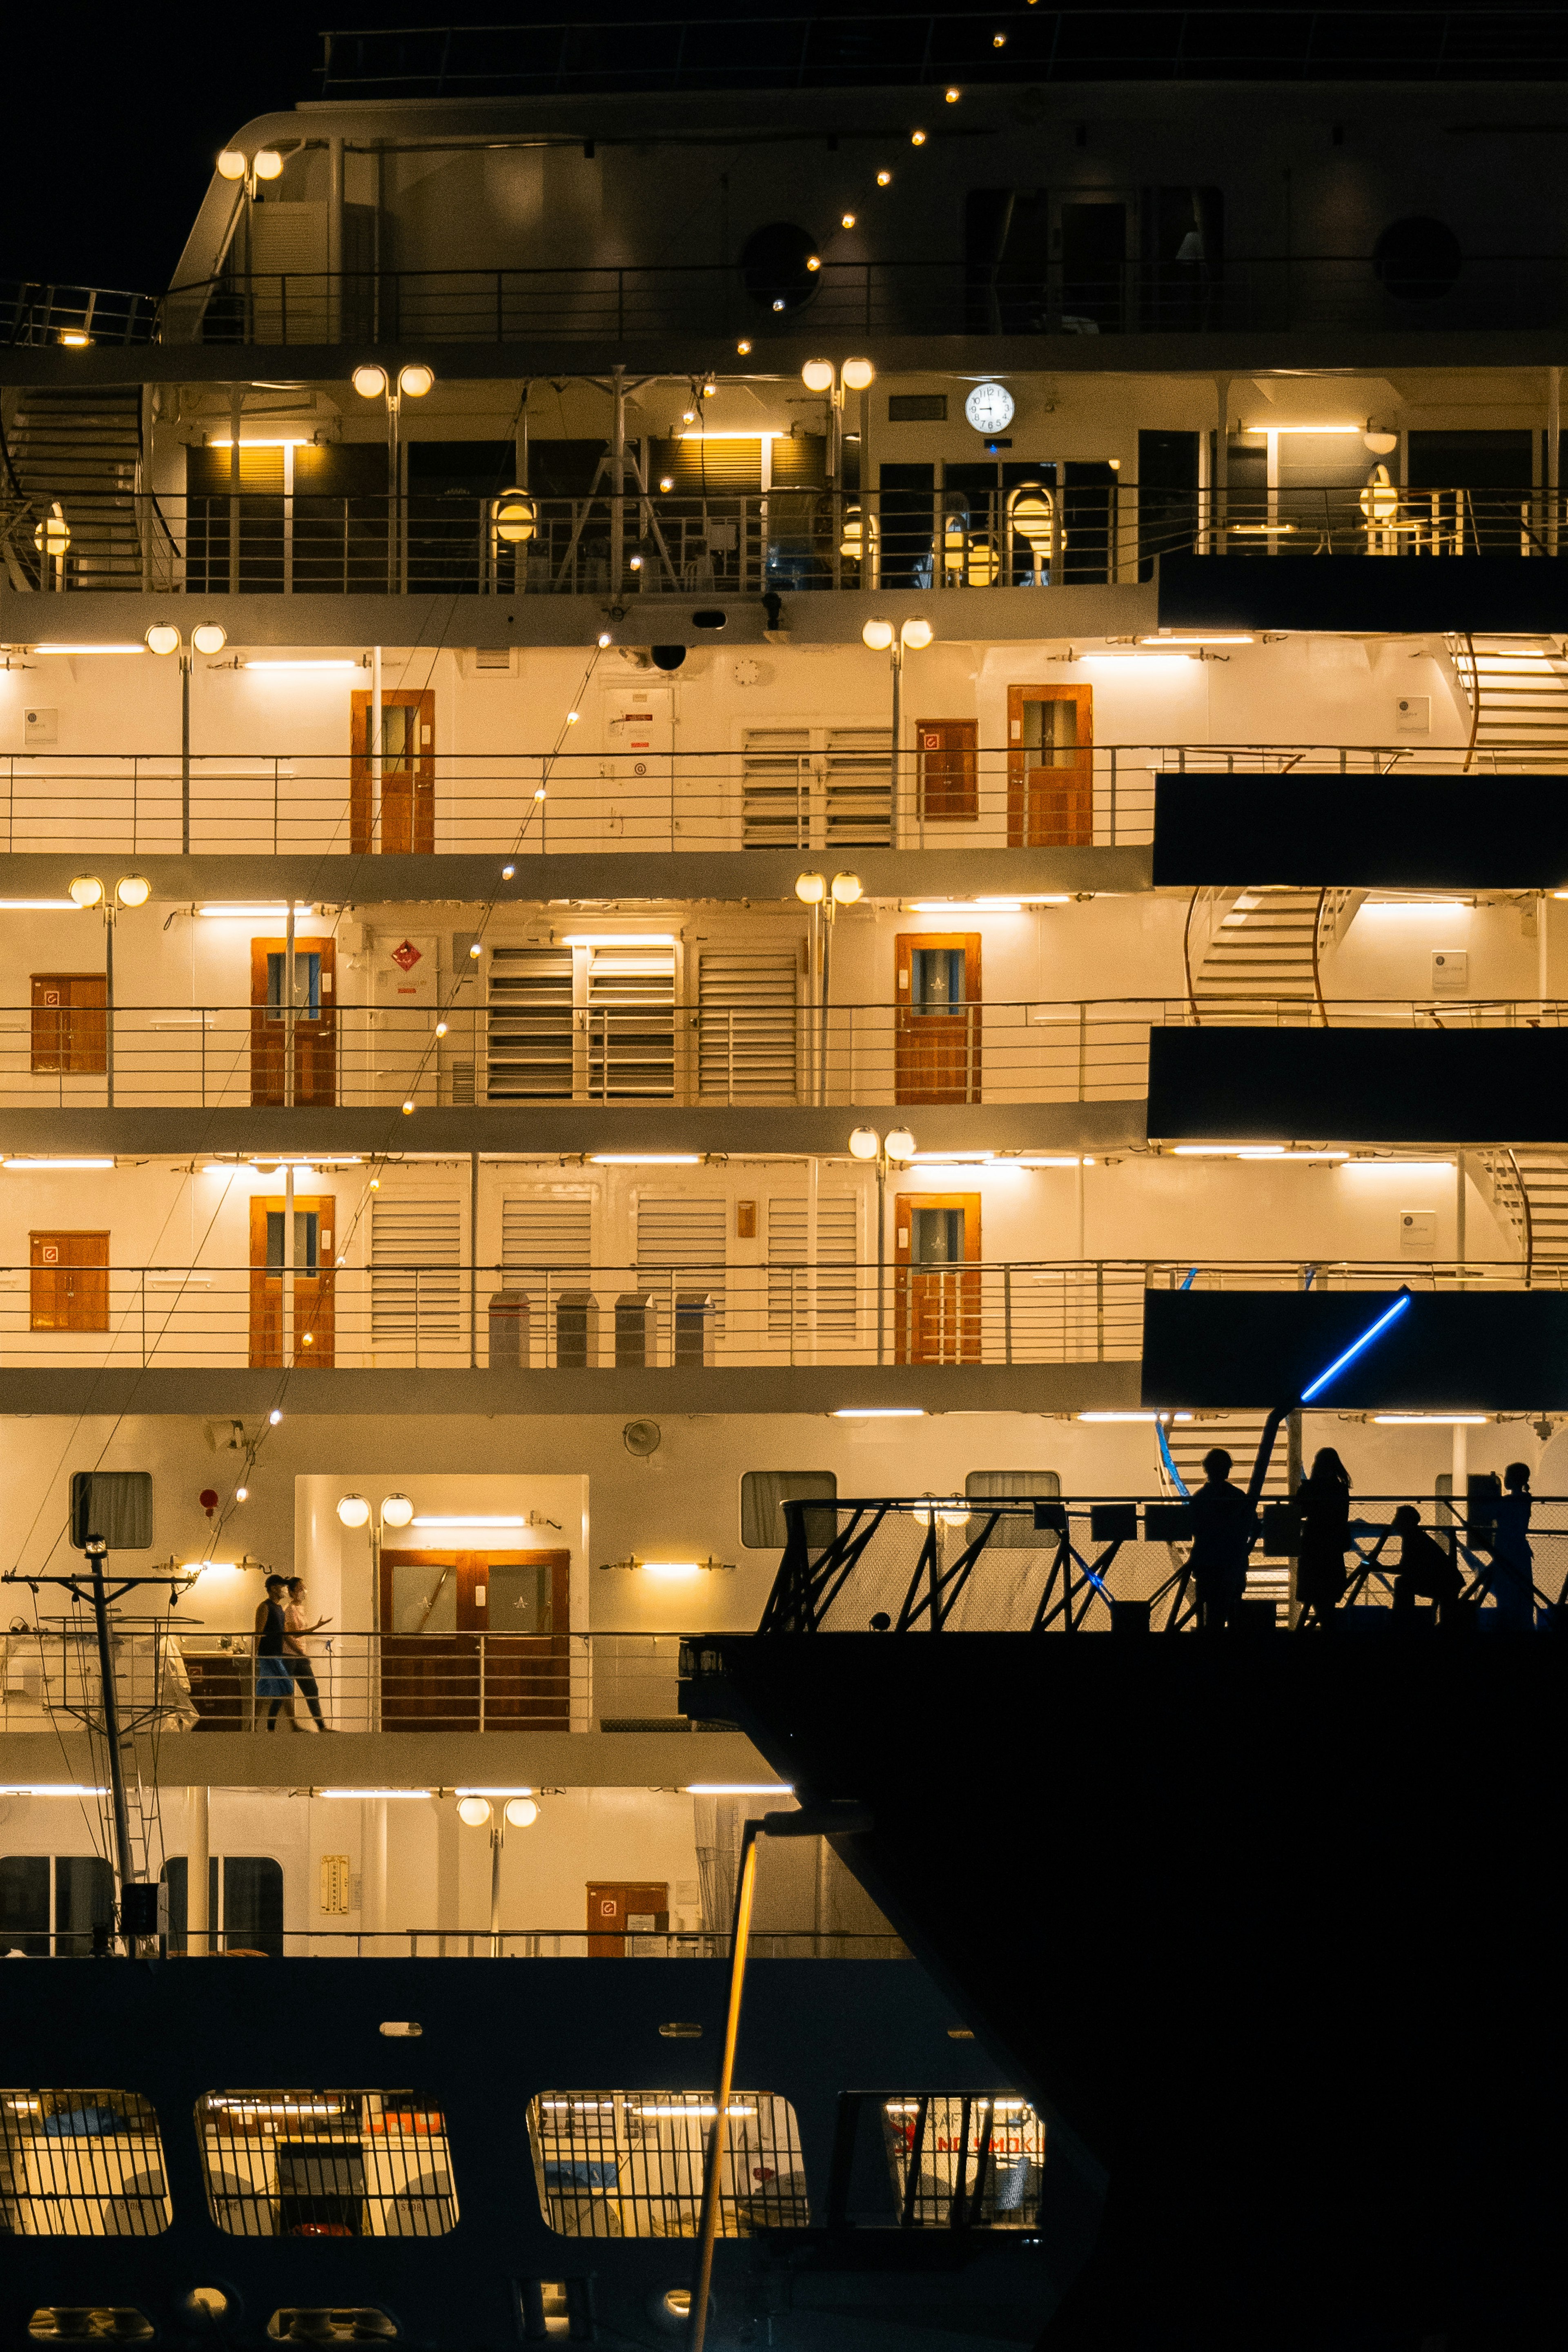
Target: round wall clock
[(989, 408)]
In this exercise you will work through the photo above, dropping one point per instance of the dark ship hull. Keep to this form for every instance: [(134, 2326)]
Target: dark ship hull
[(1274, 1924)]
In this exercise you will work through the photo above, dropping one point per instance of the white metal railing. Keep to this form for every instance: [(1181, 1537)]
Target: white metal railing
[(745, 1052), (591, 1318)]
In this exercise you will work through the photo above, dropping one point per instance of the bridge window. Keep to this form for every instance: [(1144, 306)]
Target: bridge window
[(964, 2161), (80, 2164), (762, 1494), (629, 2164), (326, 2164)]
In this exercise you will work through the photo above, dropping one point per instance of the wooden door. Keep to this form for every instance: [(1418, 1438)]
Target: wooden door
[(314, 1221), (408, 773), (1051, 767), (937, 1304), (69, 1282), (949, 775), (315, 1021), (936, 1019), (69, 1018), (475, 1641), (620, 1908)]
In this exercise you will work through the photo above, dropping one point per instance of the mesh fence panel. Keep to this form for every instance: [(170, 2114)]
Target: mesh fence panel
[(326, 2164)]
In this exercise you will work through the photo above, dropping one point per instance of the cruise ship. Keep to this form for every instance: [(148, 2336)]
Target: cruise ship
[(782, 803)]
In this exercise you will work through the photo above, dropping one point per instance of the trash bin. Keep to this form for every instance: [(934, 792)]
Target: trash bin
[(509, 1329)]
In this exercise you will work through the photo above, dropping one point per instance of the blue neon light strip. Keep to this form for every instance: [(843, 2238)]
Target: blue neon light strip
[(1180, 1485), (1367, 1336)]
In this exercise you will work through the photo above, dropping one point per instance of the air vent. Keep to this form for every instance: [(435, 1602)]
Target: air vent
[(710, 618), (496, 659), (681, 2033)]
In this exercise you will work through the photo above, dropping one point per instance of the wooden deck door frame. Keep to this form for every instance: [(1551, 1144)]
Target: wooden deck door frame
[(452, 1681), (936, 1055), (620, 1899), (70, 1018), (949, 771), (407, 792), (315, 1040), (68, 1281), (937, 1308), (315, 1304), (1050, 806)]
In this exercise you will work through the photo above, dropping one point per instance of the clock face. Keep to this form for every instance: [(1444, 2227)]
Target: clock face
[(989, 408)]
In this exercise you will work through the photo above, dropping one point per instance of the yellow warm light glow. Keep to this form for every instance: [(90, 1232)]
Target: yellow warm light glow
[(370, 382)]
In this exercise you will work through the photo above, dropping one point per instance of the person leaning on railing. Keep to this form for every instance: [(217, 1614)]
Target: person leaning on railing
[(1223, 1524)]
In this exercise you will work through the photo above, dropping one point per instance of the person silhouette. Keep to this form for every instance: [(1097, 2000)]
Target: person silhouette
[(1427, 1571), (1513, 1573), (1223, 1524), (1323, 1500)]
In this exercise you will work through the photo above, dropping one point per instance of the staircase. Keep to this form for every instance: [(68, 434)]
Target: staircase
[(1239, 1432), (1262, 948), (76, 455), (1528, 1187), (1521, 687)]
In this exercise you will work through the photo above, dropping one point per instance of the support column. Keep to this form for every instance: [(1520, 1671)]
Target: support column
[(377, 743), (1554, 449), (373, 1865), (286, 1303), (617, 479), (236, 412), (1221, 466), (447, 1842), (198, 1863), (335, 237)]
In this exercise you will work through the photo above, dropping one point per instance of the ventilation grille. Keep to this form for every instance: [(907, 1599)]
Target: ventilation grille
[(530, 1025), (547, 1232), (746, 1028), (791, 1295), (416, 1283), (776, 776)]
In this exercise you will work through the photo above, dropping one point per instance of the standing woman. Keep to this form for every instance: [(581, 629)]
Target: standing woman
[(1513, 1575), (274, 1682), (1323, 1500)]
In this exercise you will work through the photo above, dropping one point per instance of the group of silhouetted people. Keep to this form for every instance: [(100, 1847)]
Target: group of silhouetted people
[(1224, 1521)]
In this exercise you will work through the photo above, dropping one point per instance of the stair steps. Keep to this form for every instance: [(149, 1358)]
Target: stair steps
[(1263, 948), (1522, 688), (80, 452), (1239, 1432)]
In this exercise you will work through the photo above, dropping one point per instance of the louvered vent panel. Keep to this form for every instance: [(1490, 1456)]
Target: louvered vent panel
[(776, 770), (546, 1231), (746, 1027), (858, 798), (686, 1234), (531, 1027), (631, 1025), (416, 1259), (790, 1295)]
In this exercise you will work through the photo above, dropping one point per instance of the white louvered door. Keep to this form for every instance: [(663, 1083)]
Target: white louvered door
[(680, 1248), (806, 1308), (746, 1035), (418, 1302), (582, 1024), (532, 1027)]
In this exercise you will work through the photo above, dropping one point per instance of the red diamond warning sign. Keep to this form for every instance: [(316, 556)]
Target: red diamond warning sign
[(407, 955)]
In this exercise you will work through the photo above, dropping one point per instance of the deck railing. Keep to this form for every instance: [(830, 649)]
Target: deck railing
[(189, 1678), (935, 1564), (750, 1051), (696, 1318), (617, 302), (520, 805), (795, 536)]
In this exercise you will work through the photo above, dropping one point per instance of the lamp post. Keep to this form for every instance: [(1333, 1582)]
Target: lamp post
[(825, 899), (208, 637), (824, 376), (354, 1511), (372, 382), (520, 1811), (251, 173), (130, 891), (894, 1148), (882, 637)]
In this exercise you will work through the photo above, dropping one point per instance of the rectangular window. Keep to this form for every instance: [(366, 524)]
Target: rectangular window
[(763, 1520), (245, 1903), (80, 2164), (69, 1282), (1017, 1531), (326, 2164), (629, 2164), (962, 2160), (917, 408)]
